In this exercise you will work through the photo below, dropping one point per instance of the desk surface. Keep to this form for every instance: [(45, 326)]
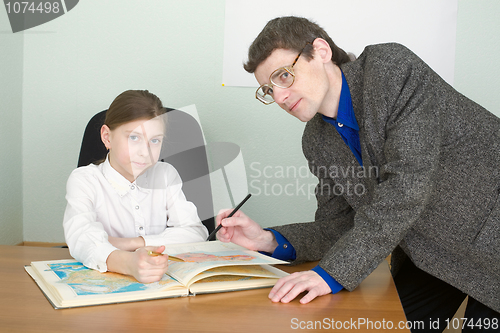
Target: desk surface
[(24, 308)]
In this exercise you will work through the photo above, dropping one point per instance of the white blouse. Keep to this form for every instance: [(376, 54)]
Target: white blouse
[(102, 202)]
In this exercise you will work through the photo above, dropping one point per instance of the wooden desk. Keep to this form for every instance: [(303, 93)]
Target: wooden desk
[(24, 308)]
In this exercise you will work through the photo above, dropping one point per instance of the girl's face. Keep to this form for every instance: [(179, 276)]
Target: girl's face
[(134, 146)]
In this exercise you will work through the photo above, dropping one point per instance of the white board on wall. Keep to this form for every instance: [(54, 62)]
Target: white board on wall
[(427, 27)]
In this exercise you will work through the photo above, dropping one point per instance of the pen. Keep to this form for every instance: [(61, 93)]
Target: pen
[(155, 254), (232, 213)]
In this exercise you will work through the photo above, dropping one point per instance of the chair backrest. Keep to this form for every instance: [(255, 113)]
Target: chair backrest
[(184, 148)]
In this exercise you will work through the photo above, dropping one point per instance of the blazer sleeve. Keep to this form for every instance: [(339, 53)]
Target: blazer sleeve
[(333, 218)]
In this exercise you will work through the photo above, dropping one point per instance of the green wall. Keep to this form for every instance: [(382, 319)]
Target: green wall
[(63, 72), (11, 160)]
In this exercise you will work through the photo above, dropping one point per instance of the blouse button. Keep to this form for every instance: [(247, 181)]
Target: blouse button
[(136, 207), (340, 125), (140, 228), (132, 187)]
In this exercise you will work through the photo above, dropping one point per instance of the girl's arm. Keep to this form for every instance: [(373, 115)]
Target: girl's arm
[(86, 238), (183, 223), (88, 241), (127, 244)]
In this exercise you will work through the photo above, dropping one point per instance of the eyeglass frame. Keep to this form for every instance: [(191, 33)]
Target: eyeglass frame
[(288, 69)]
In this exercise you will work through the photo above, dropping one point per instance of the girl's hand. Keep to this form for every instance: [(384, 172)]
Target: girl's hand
[(146, 268), (143, 267)]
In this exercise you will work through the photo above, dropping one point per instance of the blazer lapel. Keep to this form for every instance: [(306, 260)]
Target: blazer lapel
[(352, 181)]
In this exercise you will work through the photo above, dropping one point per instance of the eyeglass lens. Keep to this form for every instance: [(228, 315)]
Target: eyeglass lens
[(282, 78), (265, 94)]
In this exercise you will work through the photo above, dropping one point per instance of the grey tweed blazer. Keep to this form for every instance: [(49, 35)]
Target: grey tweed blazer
[(429, 186)]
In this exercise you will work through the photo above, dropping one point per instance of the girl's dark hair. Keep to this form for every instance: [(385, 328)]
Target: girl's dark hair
[(290, 33), (132, 105)]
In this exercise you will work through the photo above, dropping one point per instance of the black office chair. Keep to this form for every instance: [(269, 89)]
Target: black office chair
[(184, 148)]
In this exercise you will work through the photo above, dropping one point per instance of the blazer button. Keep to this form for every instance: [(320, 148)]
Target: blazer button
[(285, 246), (340, 125)]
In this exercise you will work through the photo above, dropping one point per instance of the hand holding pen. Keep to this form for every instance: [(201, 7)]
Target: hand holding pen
[(230, 215), (240, 229)]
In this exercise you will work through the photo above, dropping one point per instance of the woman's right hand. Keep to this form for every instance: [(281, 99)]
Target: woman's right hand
[(242, 230)]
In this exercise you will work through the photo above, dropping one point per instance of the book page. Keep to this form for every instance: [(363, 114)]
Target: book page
[(256, 271), (199, 257), (69, 283), (227, 283)]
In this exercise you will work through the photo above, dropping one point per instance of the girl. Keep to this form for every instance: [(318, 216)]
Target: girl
[(129, 204)]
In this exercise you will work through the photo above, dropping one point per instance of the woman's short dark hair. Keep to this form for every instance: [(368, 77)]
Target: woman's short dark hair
[(290, 33)]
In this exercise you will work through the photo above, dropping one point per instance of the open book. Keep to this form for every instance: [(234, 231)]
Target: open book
[(208, 267)]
